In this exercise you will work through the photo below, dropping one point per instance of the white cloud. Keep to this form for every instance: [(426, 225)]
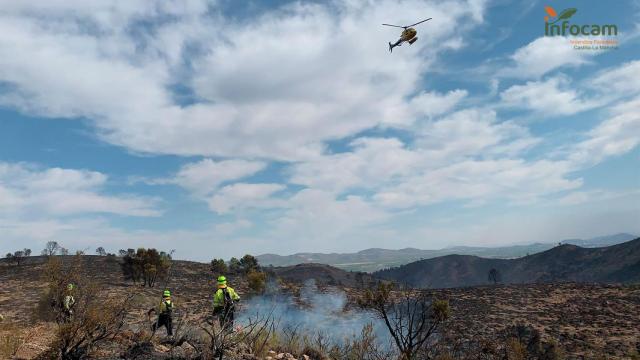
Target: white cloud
[(27, 190), (229, 228), (316, 219), (293, 236), (204, 177), (623, 80), (616, 135), (280, 87), (372, 162), (543, 55), (431, 104), (241, 196), (588, 196), (512, 179), (471, 132), (553, 96), (376, 162), (275, 87)]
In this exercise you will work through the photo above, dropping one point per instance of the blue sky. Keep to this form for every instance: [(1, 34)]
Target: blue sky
[(219, 130)]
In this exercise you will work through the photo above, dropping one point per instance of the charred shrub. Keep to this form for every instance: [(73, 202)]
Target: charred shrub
[(91, 318), (524, 341), (413, 318)]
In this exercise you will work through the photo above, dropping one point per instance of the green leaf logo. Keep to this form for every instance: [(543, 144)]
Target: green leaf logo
[(564, 15), (567, 13)]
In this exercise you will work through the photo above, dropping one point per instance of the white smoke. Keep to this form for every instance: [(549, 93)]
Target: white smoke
[(313, 312)]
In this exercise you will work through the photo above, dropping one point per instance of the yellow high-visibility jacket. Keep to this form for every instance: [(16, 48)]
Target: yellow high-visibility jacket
[(166, 307), (218, 297), (68, 302)]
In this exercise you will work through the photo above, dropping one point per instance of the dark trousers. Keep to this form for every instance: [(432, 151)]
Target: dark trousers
[(166, 321), (226, 318), (66, 315)]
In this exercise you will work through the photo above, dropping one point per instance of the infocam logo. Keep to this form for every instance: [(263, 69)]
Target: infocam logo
[(552, 28)]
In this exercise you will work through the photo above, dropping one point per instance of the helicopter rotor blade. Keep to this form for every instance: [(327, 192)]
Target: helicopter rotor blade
[(420, 22), (394, 26)]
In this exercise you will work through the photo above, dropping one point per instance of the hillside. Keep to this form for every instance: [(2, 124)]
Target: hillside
[(614, 264), (323, 275), (376, 259), (588, 320), (193, 279), (601, 241)]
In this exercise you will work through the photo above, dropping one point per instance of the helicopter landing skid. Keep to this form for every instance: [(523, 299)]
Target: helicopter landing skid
[(391, 46)]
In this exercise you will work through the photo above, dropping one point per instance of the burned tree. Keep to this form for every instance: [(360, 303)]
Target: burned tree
[(412, 318), (51, 248), (18, 256), (494, 276)]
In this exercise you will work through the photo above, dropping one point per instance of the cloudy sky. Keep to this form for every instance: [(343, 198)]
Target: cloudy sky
[(218, 130)]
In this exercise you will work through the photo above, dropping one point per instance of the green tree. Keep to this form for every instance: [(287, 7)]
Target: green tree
[(146, 265), (249, 263), (235, 266), (218, 266)]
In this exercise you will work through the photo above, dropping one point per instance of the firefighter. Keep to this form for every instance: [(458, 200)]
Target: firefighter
[(224, 301), (164, 311), (68, 303)]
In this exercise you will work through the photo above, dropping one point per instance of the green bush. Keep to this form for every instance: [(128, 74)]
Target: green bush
[(145, 265), (257, 281)]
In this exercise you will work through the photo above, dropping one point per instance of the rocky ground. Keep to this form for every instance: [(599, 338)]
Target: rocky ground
[(588, 321)]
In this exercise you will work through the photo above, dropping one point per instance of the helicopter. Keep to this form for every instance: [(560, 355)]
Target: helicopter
[(408, 34)]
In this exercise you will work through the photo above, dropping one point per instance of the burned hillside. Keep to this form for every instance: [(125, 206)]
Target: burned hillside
[(585, 320)]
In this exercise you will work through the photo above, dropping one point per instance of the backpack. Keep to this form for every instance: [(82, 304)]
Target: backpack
[(168, 307), (228, 301)]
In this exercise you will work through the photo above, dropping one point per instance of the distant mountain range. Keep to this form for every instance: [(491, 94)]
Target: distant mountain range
[(324, 275), (617, 263), (376, 259)]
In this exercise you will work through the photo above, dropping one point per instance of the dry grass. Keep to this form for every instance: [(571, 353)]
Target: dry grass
[(12, 338), (585, 320)]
